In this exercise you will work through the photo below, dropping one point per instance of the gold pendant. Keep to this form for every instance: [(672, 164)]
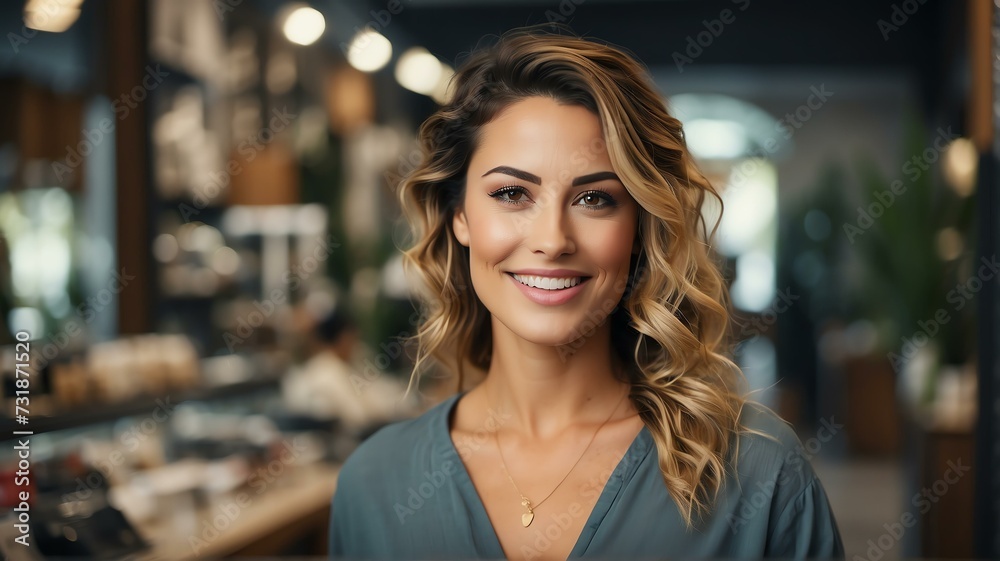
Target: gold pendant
[(526, 518)]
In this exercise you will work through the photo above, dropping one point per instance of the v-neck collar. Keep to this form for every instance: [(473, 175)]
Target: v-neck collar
[(626, 467)]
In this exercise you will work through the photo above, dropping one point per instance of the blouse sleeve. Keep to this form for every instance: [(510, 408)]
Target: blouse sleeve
[(339, 521), (806, 527), (349, 534)]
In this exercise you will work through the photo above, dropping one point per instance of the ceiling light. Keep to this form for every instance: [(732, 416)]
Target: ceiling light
[(418, 71), (369, 51), (304, 25), (54, 16)]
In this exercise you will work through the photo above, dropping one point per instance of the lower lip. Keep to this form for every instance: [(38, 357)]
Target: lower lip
[(549, 297)]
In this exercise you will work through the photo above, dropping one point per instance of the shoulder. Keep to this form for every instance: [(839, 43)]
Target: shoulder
[(401, 443), (769, 451), (764, 428), (776, 479), (377, 473)]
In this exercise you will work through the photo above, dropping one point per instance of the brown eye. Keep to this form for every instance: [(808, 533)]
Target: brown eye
[(596, 200), (510, 195)]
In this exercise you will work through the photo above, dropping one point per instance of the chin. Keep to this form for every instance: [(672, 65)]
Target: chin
[(551, 334)]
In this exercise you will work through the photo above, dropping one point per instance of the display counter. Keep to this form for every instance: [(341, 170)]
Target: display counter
[(290, 515)]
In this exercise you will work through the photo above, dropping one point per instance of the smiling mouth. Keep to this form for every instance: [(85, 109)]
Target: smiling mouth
[(548, 283)]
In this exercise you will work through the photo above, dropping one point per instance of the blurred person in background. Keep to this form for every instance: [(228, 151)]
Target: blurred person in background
[(561, 249), (329, 386)]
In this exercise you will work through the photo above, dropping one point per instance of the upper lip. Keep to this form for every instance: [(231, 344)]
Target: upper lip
[(551, 273)]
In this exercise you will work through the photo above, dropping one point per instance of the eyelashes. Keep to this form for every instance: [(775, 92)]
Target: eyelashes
[(504, 195)]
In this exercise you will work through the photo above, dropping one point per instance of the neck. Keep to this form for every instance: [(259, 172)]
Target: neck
[(546, 390)]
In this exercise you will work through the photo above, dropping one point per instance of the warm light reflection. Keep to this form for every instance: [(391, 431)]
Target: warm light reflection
[(165, 248), (418, 71), (53, 16), (445, 87), (206, 239), (304, 25), (225, 261), (369, 51), (184, 235), (960, 162)]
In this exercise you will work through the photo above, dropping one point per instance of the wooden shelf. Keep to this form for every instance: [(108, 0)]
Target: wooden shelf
[(137, 406)]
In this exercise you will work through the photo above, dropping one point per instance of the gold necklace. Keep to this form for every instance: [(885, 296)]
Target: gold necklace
[(529, 515)]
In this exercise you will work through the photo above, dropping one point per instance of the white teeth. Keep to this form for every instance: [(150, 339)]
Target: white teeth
[(548, 283)]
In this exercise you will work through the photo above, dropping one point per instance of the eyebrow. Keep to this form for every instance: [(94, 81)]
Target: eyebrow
[(523, 175), (520, 174), (595, 177)]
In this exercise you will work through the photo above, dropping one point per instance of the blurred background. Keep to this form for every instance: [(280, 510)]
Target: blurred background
[(201, 293)]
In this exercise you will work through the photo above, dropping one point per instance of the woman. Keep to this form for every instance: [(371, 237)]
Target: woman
[(560, 246)]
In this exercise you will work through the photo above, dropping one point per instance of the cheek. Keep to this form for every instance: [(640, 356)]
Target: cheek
[(492, 238), (611, 247)]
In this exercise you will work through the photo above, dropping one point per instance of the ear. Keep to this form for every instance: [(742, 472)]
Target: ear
[(460, 225)]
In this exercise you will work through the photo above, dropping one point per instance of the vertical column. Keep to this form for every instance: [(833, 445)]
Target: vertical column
[(126, 55), (984, 120)]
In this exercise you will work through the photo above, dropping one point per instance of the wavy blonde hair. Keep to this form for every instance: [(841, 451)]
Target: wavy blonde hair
[(673, 323)]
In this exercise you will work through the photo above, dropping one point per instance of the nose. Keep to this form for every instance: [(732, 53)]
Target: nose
[(551, 232)]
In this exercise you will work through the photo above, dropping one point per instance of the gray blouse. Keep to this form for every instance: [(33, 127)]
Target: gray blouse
[(404, 493)]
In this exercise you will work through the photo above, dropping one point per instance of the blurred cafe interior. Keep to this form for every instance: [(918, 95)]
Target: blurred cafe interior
[(203, 308)]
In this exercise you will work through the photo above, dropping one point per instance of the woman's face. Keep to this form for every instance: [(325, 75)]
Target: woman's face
[(549, 226)]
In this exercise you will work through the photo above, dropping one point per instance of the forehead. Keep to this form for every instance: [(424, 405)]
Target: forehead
[(540, 129)]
